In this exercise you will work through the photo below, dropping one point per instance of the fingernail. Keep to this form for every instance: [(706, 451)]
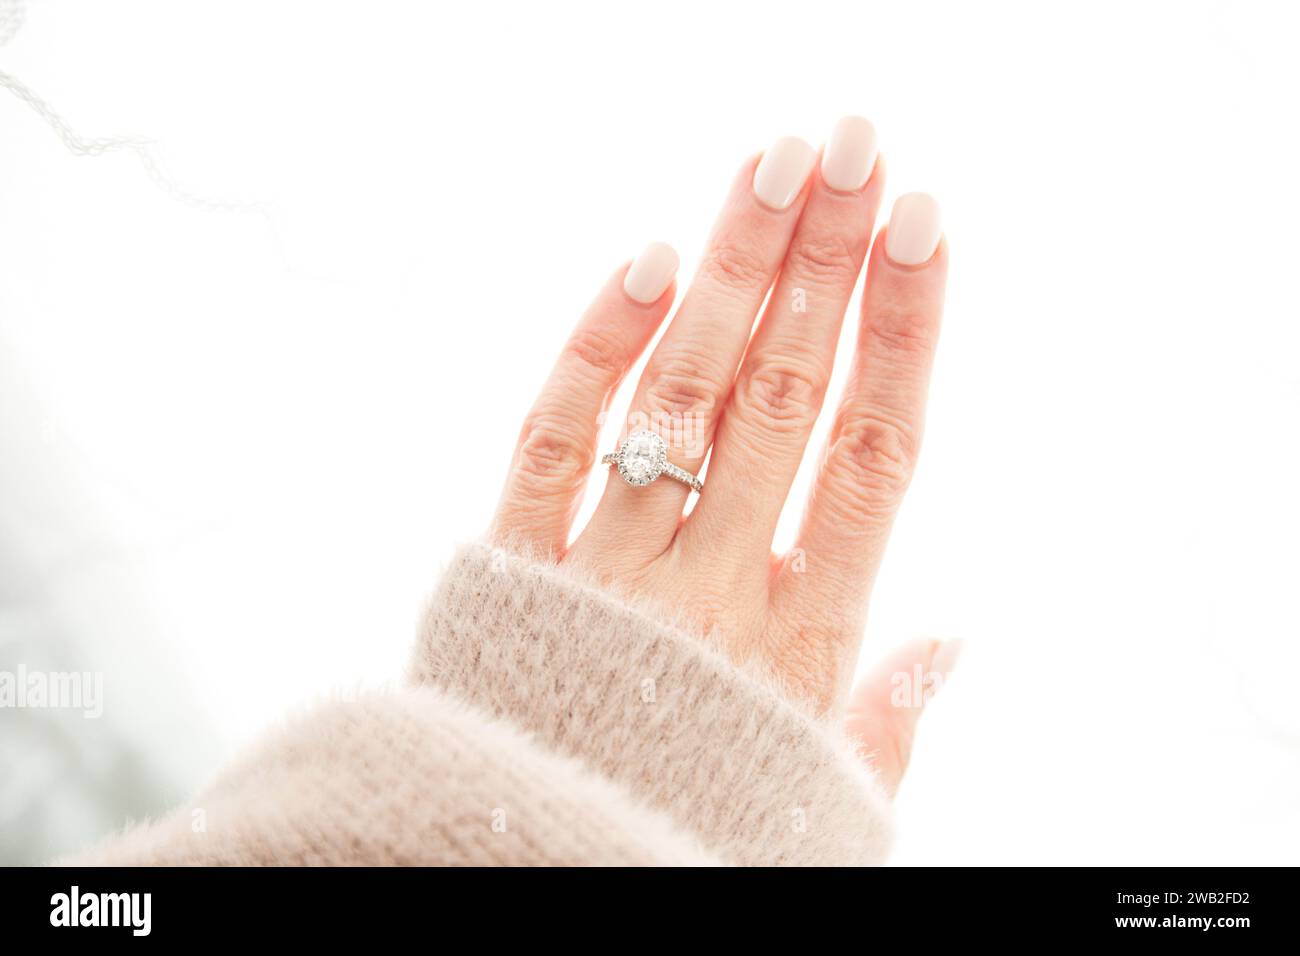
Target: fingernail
[(850, 154), (650, 273), (915, 227), (944, 659), (782, 172)]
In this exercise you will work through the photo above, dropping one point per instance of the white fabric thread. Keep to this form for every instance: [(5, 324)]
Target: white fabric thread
[(13, 13)]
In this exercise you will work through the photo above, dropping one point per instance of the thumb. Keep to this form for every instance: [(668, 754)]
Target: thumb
[(884, 708)]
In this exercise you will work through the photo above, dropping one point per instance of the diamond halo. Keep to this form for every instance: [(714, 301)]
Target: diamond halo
[(642, 458)]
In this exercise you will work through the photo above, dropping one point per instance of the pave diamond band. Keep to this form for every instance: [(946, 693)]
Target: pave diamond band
[(643, 457), (684, 476)]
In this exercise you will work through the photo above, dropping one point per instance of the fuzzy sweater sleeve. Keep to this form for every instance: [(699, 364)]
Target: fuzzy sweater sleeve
[(545, 721), (717, 748)]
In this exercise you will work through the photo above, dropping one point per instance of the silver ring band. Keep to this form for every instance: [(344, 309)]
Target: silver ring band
[(643, 457)]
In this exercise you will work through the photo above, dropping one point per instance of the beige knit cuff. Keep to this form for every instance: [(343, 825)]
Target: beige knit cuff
[(754, 777)]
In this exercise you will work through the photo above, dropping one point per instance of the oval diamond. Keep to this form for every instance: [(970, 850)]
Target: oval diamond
[(641, 458)]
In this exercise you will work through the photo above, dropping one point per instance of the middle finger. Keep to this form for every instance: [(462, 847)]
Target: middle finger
[(689, 376), (783, 378)]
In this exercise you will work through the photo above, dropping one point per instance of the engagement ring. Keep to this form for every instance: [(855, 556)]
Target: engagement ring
[(643, 457)]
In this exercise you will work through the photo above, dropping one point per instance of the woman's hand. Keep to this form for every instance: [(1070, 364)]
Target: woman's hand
[(801, 229)]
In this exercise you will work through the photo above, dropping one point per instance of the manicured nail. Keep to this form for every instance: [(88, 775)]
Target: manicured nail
[(650, 274), (782, 172), (915, 227), (850, 155)]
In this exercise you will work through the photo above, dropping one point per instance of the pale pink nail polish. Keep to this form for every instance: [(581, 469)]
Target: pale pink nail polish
[(850, 155), (651, 273), (915, 227), (782, 172)]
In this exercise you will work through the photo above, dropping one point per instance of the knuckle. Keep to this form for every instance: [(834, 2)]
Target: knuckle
[(807, 665), (553, 453), (597, 351), (682, 387), (902, 330), (871, 460), (829, 259), (781, 394), (735, 265)]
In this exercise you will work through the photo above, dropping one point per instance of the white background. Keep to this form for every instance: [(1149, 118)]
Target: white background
[(229, 437)]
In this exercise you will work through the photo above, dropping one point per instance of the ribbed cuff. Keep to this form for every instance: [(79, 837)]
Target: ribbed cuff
[(755, 778)]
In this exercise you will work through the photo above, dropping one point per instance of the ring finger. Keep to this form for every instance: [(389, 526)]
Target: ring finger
[(787, 367), (690, 373)]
